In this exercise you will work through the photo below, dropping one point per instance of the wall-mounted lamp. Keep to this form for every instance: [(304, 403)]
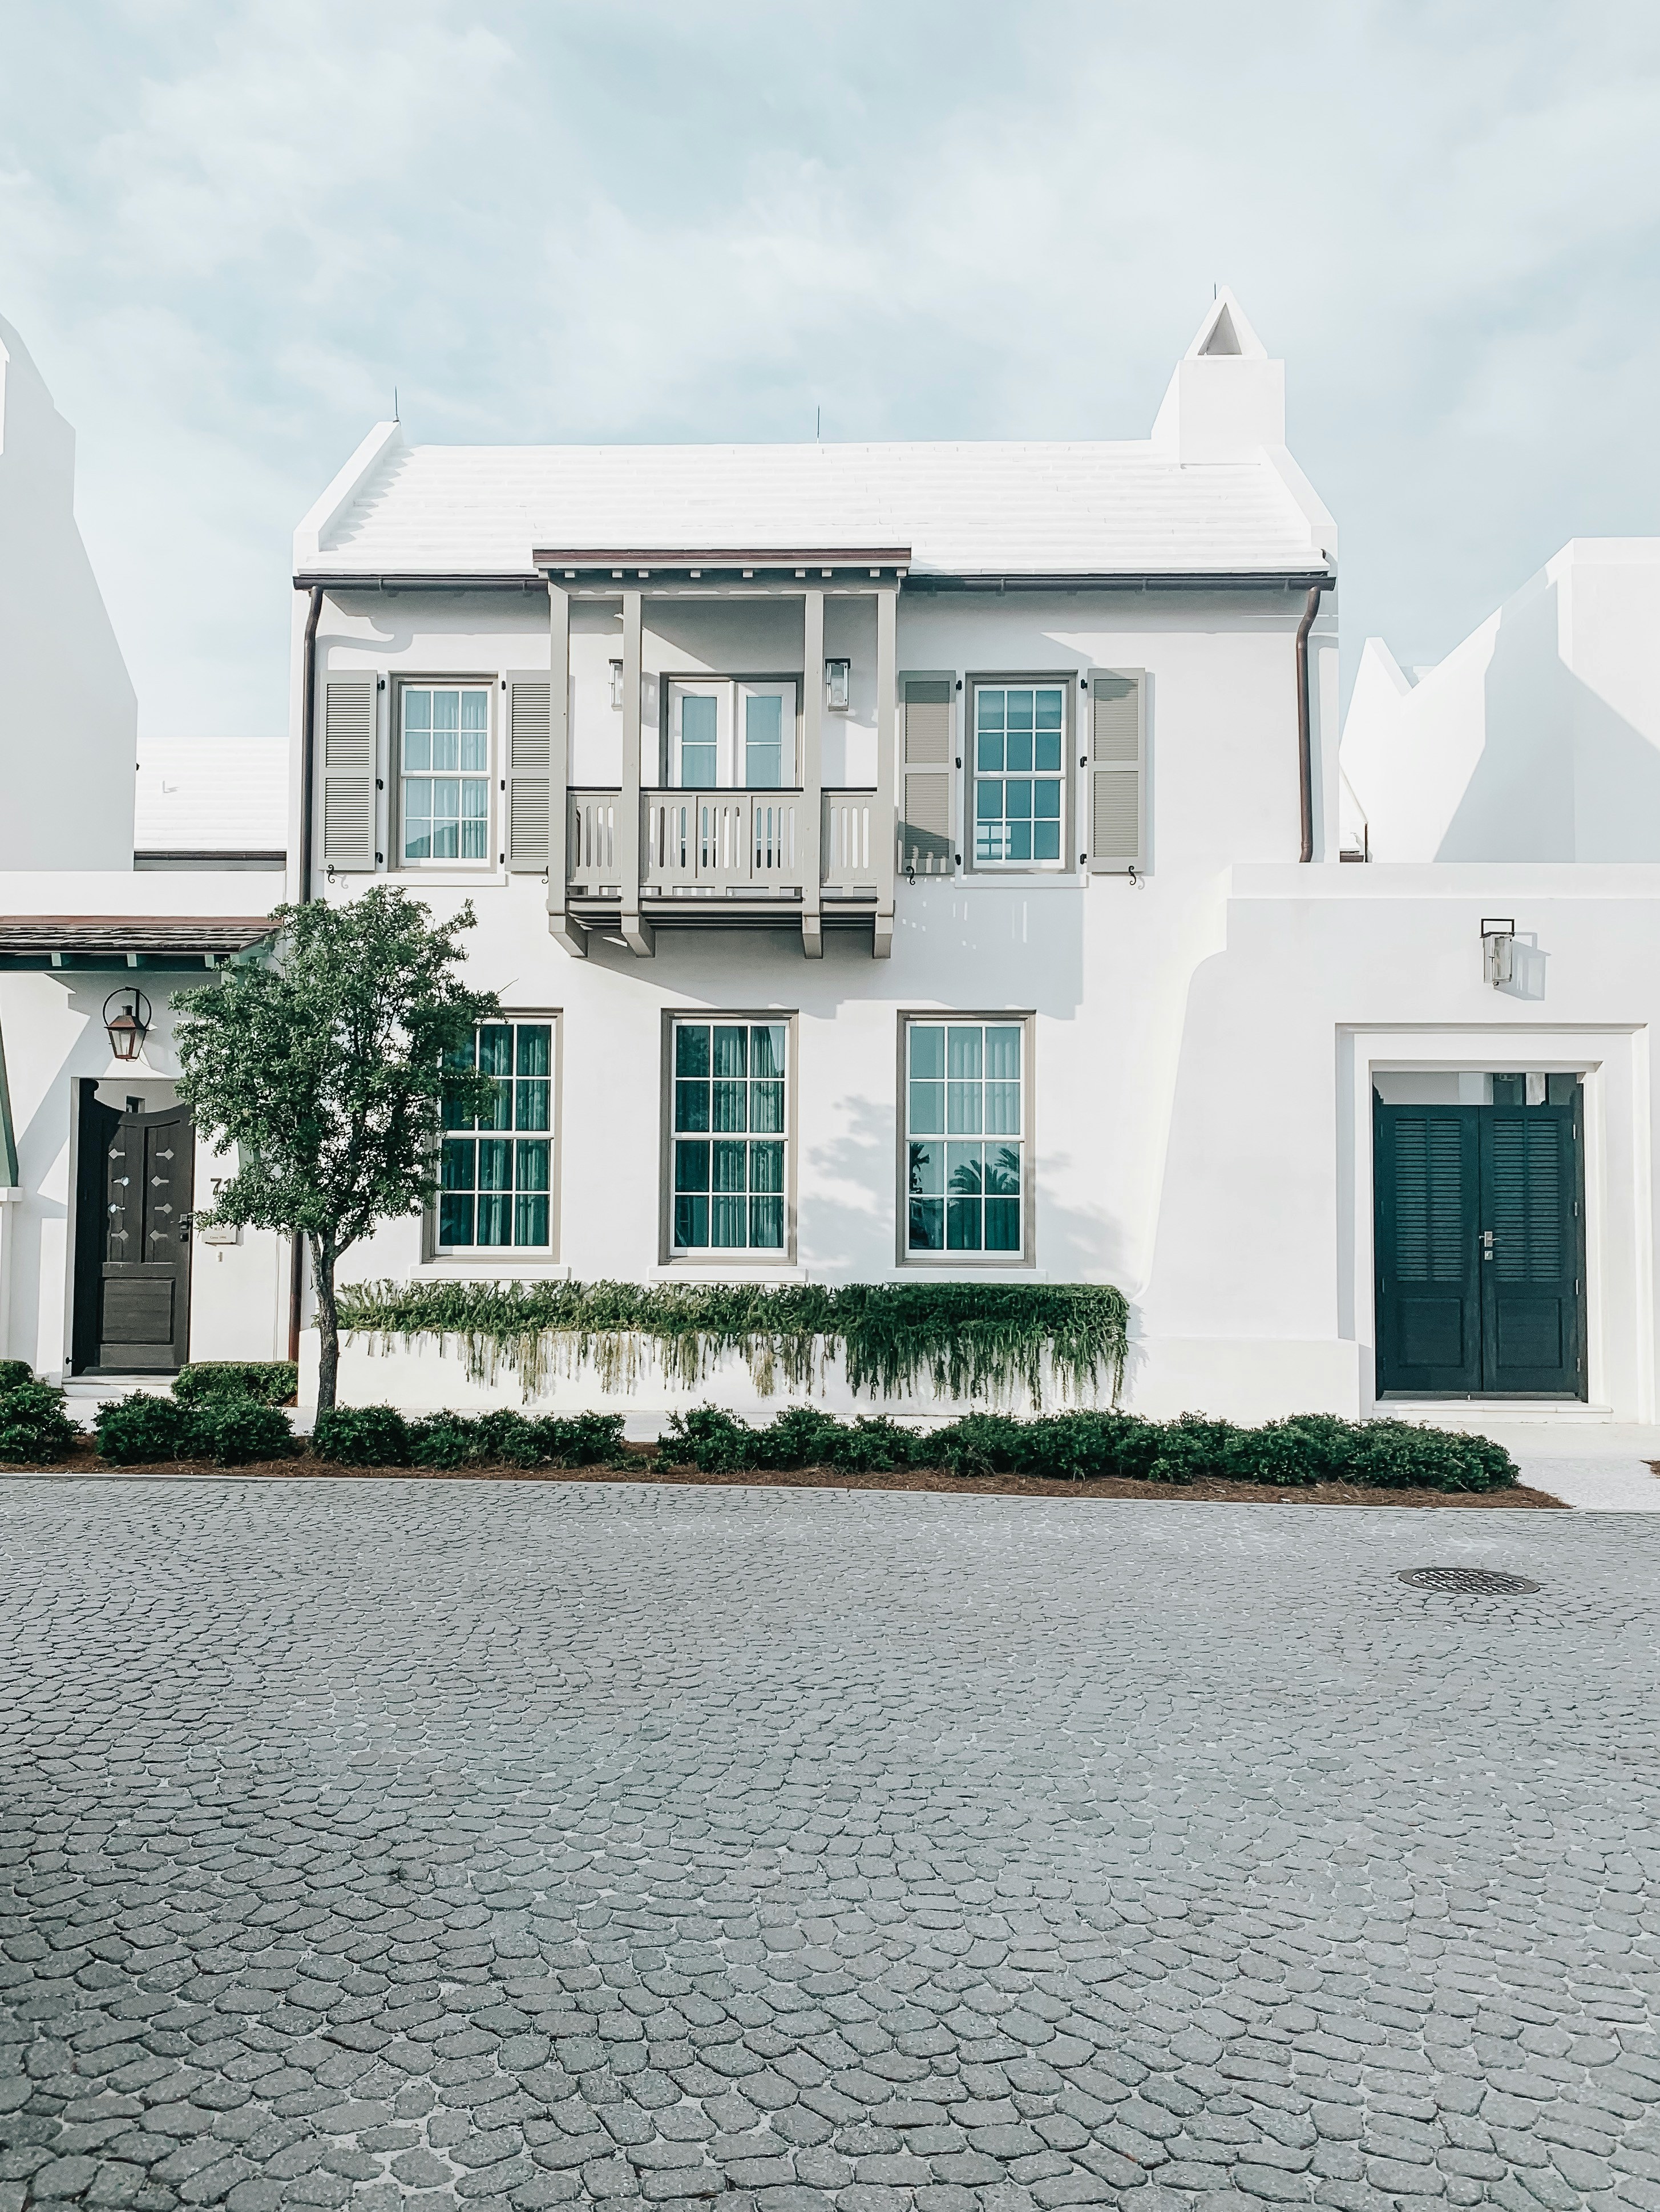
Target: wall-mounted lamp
[(617, 685), (1498, 950), (127, 1018), (838, 685)]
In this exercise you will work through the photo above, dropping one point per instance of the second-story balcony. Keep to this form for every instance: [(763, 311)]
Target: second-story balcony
[(698, 831)]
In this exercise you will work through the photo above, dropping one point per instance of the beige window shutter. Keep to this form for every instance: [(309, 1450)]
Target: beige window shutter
[(1118, 772), (530, 711), (926, 836), (348, 718)]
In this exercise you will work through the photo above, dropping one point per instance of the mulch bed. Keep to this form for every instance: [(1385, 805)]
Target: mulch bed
[(651, 1469)]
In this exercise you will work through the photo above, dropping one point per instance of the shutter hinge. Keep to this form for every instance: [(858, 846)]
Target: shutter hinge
[(379, 683), (379, 783)]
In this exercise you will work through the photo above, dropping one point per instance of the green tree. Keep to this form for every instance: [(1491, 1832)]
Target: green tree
[(328, 1067)]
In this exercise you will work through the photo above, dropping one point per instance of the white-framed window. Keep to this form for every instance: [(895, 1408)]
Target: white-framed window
[(444, 773), (966, 1112), (727, 733), (1019, 779), (729, 1146), (496, 1173)]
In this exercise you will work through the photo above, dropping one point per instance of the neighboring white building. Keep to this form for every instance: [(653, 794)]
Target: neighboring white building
[(212, 803), (92, 1275), (68, 716), (1538, 738)]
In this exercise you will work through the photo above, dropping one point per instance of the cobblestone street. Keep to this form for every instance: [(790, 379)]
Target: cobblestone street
[(439, 1843)]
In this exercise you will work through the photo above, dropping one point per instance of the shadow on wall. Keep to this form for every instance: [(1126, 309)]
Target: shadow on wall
[(1562, 776)]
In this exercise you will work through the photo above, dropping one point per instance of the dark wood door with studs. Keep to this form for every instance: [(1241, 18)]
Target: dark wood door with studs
[(142, 1287)]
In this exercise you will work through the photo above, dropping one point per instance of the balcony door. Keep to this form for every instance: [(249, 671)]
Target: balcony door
[(1480, 1246), (730, 734)]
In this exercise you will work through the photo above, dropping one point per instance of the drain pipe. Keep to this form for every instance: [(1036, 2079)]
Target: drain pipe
[(1304, 720), (308, 742)]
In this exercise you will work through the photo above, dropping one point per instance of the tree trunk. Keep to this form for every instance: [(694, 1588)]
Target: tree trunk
[(328, 1320)]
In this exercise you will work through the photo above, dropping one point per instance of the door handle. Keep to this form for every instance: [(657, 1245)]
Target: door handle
[(1486, 1243)]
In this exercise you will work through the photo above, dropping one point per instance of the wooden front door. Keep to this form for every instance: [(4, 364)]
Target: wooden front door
[(1480, 1247), (137, 1176)]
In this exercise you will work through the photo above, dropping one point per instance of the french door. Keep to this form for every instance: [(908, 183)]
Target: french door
[(1479, 1242)]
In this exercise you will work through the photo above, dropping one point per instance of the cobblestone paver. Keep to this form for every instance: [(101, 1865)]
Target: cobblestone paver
[(473, 1845)]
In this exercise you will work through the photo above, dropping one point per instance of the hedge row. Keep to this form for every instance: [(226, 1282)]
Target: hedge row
[(1308, 1447), (235, 1423)]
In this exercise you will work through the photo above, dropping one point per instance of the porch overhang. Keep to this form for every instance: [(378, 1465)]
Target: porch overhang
[(115, 941)]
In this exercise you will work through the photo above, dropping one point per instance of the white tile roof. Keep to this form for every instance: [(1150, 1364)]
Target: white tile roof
[(212, 795), (963, 509)]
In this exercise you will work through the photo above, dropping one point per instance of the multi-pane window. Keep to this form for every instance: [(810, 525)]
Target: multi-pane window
[(729, 1136), (445, 757), (965, 1136), (1018, 736), (497, 1172)]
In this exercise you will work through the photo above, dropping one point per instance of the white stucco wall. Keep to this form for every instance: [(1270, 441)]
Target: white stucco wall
[(68, 713), (1537, 739)]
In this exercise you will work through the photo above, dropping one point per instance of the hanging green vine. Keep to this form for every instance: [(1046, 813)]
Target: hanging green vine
[(967, 1340)]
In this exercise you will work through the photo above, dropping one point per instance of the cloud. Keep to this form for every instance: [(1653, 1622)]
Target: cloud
[(227, 230)]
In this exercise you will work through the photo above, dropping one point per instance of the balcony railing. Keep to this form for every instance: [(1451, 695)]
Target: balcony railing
[(721, 844)]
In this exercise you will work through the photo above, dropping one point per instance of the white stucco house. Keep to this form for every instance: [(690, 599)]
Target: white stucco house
[(921, 862)]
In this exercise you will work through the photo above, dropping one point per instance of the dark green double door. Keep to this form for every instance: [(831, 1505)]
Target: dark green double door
[(1481, 1248)]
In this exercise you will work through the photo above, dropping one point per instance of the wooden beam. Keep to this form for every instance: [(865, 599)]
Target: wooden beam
[(636, 931), (887, 826), (812, 772)]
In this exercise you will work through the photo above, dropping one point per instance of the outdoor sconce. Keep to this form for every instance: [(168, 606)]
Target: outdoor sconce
[(1498, 950), (838, 685), (617, 685), (127, 1018)]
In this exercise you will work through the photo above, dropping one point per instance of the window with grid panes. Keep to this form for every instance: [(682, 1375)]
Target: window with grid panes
[(965, 1136), (497, 1174), (445, 769), (729, 1136), (1020, 731)]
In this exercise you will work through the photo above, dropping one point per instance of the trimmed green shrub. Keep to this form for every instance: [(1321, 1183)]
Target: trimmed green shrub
[(34, 1424), (447, 1440), (1293, 1453), (269, 1382), (235, 1432), (578, 1440), (14, 1373), (362, 1436), (140, 1430)]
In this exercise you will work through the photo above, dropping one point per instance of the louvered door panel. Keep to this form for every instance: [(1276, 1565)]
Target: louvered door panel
[(1531, 1283), (1429, 1316)]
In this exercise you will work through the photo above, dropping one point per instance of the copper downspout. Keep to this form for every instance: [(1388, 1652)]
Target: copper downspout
[(308, 724), (1304, 720)]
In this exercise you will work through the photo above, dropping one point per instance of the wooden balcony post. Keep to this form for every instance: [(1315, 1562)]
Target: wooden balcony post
[(562, 923), (811, 829), (884, 834), (636, 933)]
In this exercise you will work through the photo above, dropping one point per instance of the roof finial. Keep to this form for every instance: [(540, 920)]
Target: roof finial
[(395, 416)]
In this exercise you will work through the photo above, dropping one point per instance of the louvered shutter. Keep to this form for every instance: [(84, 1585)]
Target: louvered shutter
[(530, 706), (1117, 797), (349, 772), (925, 841)]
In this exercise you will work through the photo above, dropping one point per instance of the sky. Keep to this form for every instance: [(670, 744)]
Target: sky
[(230, 229)]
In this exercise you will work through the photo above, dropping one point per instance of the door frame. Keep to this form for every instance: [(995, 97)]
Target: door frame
[(1619, 1223)]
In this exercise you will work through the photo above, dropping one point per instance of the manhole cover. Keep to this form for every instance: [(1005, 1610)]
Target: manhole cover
[(1467, 1582)]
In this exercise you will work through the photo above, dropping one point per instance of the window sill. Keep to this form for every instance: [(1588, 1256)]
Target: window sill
[(722, 1270), (450, 1264)]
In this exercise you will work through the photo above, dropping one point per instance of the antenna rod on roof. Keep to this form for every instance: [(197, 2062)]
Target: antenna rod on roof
[(394, 404), (817, 424)]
